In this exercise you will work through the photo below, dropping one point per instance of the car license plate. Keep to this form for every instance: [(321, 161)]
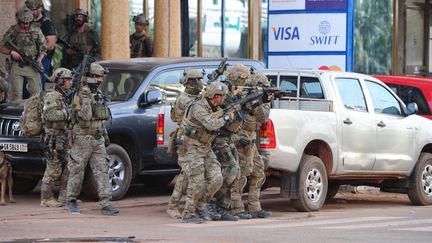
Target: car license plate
[(14, 147)]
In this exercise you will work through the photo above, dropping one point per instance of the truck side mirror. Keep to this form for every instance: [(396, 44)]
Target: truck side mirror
[(150, 97), (412, 108)]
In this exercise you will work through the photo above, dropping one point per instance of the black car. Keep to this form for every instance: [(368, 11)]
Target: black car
[(141, 91)]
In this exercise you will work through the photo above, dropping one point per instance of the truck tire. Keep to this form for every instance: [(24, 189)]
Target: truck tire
[(120, 173), (23, 185), (312, 184), (156, 180), (420, 193)]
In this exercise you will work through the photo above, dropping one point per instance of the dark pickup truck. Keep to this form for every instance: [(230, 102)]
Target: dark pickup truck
[(140, 90)]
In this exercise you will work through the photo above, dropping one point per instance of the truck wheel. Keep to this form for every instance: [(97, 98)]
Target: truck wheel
[(312, 184), (23, 185), (332, 190), (157, 181), (421, 191), (120, 174)]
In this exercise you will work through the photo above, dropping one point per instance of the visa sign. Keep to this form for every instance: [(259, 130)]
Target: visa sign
[(307, 32)]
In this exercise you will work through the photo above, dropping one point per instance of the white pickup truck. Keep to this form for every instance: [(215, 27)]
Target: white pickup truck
[(344, 128)]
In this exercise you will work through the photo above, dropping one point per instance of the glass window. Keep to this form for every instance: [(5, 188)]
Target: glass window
[(121, 85), (410, 94), (289, 83), (351, 94), (383, 101), (310, 86)]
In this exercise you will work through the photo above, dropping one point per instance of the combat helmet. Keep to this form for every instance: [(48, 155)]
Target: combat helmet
[(192, 79), (95, 70), (140, 18), (80, 11), (60, 74), (215, 88), (24, 15), (32, 4), (238, 74), (259, 79)]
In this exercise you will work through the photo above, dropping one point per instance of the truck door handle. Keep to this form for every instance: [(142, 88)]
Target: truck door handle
[(347, 121), (381, 124)]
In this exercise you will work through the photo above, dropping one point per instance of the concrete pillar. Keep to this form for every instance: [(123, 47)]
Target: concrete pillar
[(167, 37), (115, 29), (254, 27)]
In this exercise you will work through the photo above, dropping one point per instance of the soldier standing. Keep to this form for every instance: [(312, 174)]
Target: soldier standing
[(199, 127), (224, 147), (192, 81), (140, 42), (251, 164), (55, 120), (81, 37), (48, 30), (89, 138), (30, 41)]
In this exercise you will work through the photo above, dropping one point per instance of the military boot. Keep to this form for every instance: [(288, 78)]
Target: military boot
[(173, 213), (243, 215), (192, 219), (72, 207), (109, 210), (260, 214), (201, 213), (225, 215), (50, 203), (210, 210)]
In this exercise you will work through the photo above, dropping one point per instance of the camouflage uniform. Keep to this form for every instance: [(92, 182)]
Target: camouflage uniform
[(31, 43), (55, 120), (4, 85), (204, 172), (224, 147), (251, 164), (89, 111), (140, 42), (187, 98), (87, 41)]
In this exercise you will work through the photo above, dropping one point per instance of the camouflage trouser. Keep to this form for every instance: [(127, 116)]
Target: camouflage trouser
[(227, 156), (204, 178), (180, 187), (56, 166), (17, 75), (88, 149), (252, 169)]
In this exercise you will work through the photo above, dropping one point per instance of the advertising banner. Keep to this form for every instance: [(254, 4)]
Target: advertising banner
[(311, 34)]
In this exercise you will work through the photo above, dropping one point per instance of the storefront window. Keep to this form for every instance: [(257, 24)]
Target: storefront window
[(373, 36)]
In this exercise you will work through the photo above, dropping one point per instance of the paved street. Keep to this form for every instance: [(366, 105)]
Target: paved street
[(367, 216)]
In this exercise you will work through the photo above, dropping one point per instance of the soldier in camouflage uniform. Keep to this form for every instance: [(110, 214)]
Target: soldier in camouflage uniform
[(48, 30), (89, 138), (203, 170), (224, 147), (251, 164), (55, 117), (140, 42), (192, 81), (30, 41), (83, 38)]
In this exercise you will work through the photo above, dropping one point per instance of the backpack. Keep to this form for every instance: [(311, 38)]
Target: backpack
[(31, 118)]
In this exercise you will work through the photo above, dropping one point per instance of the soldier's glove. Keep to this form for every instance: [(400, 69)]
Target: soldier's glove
[(228, 116), (85, 92), (267, 97)]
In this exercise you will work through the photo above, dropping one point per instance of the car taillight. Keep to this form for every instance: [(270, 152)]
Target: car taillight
[(160, 129), (267, 135)]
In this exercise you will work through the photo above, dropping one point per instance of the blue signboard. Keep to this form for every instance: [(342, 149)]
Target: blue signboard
[(310, 34)]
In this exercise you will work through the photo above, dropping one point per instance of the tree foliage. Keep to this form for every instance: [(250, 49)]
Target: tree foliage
[(373, 36)]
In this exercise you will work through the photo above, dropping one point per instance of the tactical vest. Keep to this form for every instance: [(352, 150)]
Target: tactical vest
[(27, 42), (195, 130), (139, 46), (58, 125)]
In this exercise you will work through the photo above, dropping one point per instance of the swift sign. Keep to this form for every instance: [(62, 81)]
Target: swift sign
[(310, 34)]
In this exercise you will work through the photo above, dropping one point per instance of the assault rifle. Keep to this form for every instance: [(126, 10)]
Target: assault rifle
[(77, 76), (277, 92), (218, 71), (64, 43), (27, 60), (253, 98)]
